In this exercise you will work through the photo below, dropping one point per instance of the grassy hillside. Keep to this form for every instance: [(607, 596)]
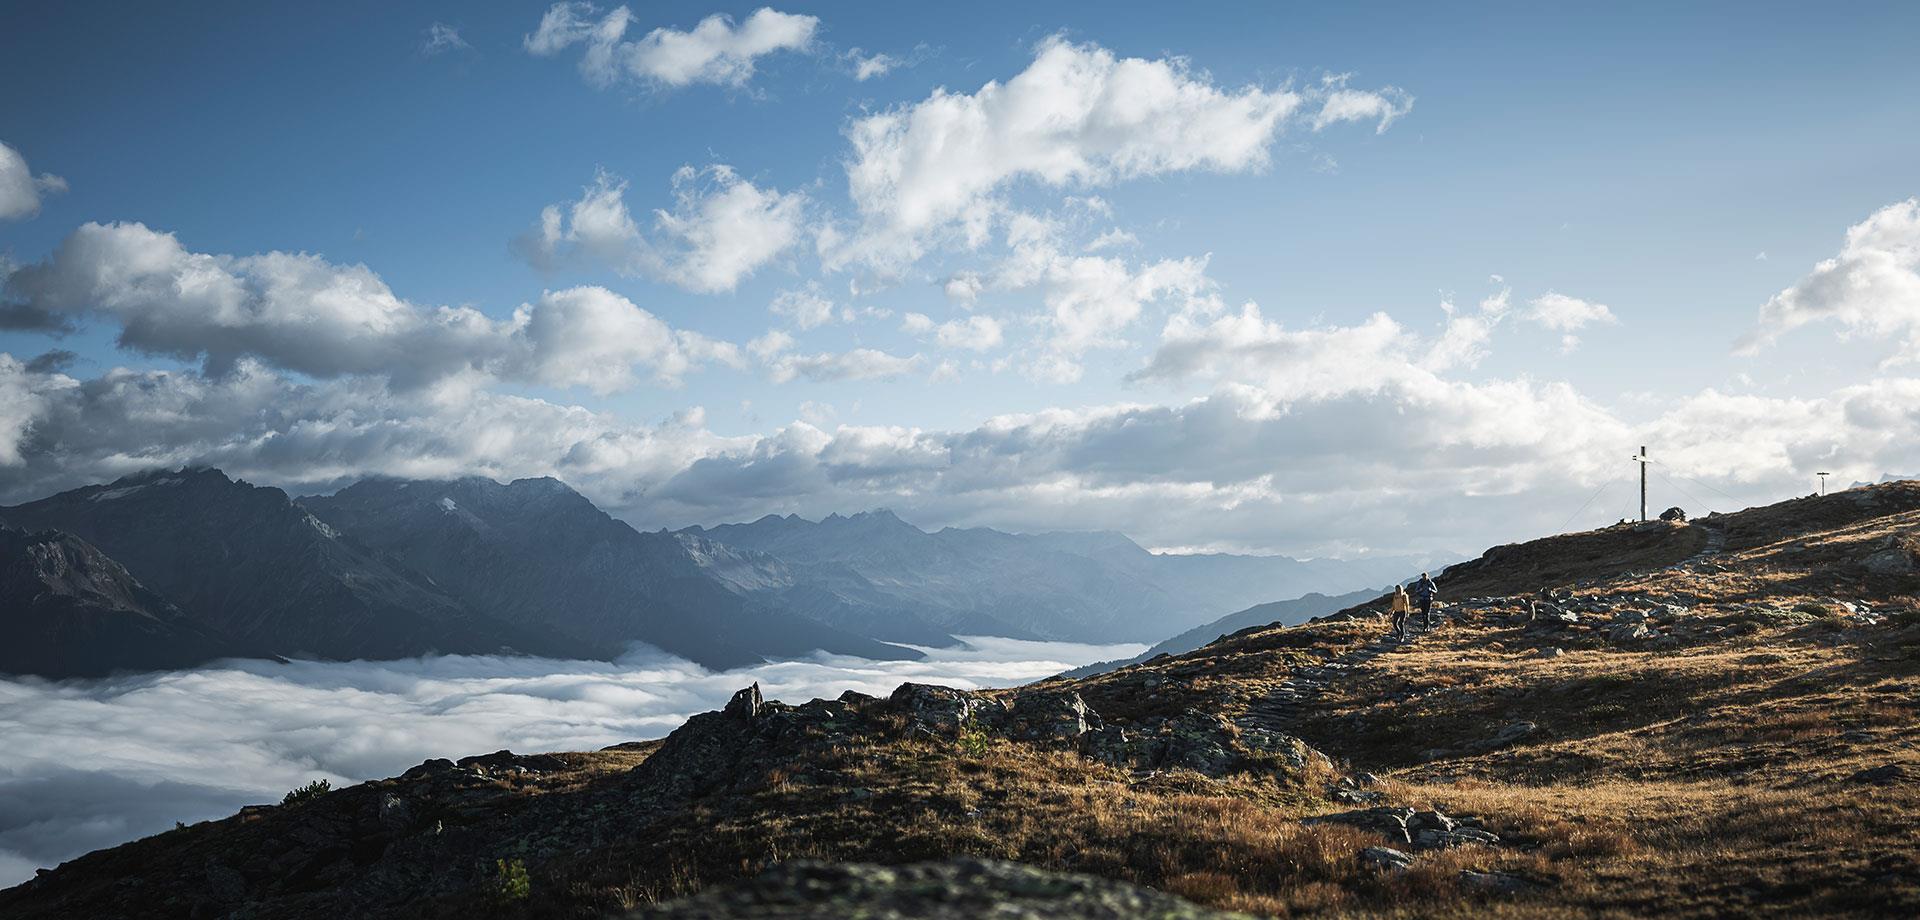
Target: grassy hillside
[(1687, 720)]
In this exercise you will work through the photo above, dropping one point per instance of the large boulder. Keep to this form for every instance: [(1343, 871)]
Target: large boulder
[(937, 710), (1051, 717), (745, 704)]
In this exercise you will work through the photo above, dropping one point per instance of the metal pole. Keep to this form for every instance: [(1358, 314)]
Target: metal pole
[(1643, 482)]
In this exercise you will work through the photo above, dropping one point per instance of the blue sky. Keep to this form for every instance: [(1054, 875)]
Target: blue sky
[(1634, 156)]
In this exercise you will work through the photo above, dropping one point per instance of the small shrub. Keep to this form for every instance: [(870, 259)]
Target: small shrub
[(510, 880), (308, 792), (974, 742)]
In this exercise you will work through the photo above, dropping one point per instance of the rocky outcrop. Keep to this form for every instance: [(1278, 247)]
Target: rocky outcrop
[(959, 889), (1421, 830)]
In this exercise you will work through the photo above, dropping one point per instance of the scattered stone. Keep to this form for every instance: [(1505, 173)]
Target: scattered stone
[(1435, 839), (1388, 821), (958, 889), (1883, 775), (1386, 859), (1510, 734), (1496, 882), (507, 762), (1553, 614), (1630, 632)]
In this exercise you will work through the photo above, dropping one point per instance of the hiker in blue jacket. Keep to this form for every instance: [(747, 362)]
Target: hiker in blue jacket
[(1423, 593)]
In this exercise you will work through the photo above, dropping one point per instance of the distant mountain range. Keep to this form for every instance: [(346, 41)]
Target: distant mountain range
[(175, 568), (1086, 587)]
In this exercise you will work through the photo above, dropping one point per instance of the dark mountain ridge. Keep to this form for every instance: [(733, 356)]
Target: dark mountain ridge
[(248, 562), (539, 555), (1092, 586), (69, 611)]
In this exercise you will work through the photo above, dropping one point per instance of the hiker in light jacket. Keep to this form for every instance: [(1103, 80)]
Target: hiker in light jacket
[(1399, 606)]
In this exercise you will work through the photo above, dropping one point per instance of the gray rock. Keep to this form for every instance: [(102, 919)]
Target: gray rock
[(1052, 716), (1429, 820), (939, 710), (1386, 820), (958, 889), (1496, 882), (1552, 614), (1891, 561), (1436, 839), (1883, 775), (1386, 859), (395, 815), (1514, 731), (1630, 632), (1292, 752), (1197, 741), (1552, 651), (746, 703)]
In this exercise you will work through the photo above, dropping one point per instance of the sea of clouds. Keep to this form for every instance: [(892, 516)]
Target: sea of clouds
[(86, 764)]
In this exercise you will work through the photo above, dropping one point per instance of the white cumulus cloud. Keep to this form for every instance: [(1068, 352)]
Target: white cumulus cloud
[(717, 50), (1568, 315), (300, 312), (831, 367), (1871, 287), (721, 229), (1077, 115), (21, 190), (973, 333)]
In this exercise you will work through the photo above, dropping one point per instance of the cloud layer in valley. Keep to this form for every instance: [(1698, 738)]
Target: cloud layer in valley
[(115, 759)]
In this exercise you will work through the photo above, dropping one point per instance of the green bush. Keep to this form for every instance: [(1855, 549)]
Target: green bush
[(974, 742), (510, 880), (308, 792)]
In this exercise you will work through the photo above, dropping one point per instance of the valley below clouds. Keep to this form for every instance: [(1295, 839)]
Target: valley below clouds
[(86, 764)]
